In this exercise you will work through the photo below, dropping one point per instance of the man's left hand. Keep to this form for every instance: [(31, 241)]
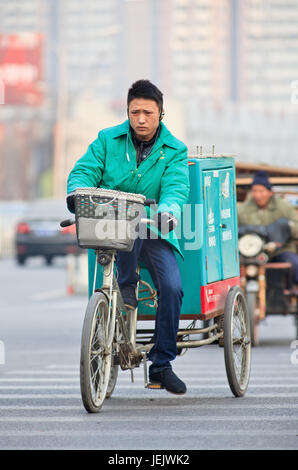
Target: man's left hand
[(70, 202)]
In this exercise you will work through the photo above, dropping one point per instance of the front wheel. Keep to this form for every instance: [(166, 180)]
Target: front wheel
[(252, 303), (112, 380), (96, 352), (237, 341)]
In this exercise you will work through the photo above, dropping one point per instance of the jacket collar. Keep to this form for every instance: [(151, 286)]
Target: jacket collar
[(165, 136)]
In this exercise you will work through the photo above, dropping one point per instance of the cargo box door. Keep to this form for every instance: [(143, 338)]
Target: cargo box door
[(228, 224), (212, 230)]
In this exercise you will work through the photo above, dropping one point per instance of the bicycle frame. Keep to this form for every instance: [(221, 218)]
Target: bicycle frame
[(126, 325)]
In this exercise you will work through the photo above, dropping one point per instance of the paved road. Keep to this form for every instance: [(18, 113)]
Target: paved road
[(40, 404)]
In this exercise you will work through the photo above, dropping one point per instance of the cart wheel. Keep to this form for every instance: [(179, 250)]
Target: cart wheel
[(96, 352), (237, 341)]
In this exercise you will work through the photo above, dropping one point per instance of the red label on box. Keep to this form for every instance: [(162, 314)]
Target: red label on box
[(213, 296)]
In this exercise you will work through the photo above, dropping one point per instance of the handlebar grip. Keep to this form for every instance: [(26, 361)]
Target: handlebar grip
[(67, 222), (149, 202), (144, 221)]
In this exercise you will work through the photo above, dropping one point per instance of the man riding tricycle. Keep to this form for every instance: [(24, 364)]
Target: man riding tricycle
[(268, 233), (161, 229)]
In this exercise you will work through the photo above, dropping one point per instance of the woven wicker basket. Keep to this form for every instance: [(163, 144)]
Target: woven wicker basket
[(107, 218)]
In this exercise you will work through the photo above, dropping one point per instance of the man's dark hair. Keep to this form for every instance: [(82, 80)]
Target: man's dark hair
[(146, 90)]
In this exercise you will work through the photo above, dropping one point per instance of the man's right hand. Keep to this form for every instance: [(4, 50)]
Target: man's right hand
[(70, 201)]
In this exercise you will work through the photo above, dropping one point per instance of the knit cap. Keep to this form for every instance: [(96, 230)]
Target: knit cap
[(261, 177)]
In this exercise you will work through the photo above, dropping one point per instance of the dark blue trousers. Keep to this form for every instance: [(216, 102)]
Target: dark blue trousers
[(159, 259), (289, 257)]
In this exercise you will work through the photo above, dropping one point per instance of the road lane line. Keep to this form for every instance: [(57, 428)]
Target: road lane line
[(47, 295), (41, 379), (194, 374), (139, 386), (122, 380), (151, 393), (136, 433), (145, 406), (104, 417)]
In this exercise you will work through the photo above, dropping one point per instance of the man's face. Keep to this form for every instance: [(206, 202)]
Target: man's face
[(144, 117), (261, 195)]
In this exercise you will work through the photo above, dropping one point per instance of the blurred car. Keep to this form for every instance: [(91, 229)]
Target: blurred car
[(38, 233)]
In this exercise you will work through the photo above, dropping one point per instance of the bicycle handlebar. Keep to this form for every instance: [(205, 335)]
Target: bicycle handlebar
[(68, 222)]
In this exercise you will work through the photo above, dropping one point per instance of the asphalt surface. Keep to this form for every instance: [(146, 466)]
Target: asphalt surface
[(40, 403)]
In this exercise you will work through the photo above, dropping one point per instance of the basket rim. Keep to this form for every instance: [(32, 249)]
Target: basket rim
[(93, 191)]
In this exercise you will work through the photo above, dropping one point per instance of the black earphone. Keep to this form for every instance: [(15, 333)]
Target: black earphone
[(161, 115)]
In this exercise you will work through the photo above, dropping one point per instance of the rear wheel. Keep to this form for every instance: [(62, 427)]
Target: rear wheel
[(237, 341), (96, 352)]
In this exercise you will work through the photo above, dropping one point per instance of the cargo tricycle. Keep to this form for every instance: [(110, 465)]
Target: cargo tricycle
[(268, 282), (108, 221)]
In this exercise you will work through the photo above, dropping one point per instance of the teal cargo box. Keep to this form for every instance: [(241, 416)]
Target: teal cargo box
[(208, 235)]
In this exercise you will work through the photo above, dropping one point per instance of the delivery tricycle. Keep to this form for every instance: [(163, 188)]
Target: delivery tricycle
[(108, 221)]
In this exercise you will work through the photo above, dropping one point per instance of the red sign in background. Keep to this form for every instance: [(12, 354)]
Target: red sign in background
[(21, 69)]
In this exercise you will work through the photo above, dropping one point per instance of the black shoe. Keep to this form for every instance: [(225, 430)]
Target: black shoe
[(168, 380), (129, 296)]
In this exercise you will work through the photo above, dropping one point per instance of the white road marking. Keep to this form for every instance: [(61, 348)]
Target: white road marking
[(144, 407), (49, 294), (75, 378), (136, 432), (151, 393), (105, 417), (138, 385)]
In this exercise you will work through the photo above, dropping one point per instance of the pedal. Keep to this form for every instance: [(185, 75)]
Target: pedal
[(154, 386), (151, 385)]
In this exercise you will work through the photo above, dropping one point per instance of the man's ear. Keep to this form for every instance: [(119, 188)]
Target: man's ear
[(161, 115)]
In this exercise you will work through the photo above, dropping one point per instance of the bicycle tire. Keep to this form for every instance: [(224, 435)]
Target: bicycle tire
[(251, 300), (237, 349), (112, 381), (96, 352)]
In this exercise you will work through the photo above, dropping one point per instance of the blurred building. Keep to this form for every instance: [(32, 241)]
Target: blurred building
[(226, 68), (200, 50), (266, 51), (258, 122), (182, 45), (88, 39), (25, 112)]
